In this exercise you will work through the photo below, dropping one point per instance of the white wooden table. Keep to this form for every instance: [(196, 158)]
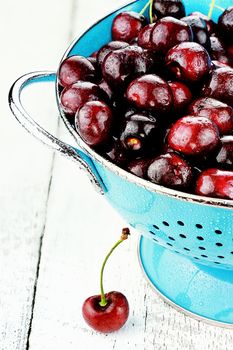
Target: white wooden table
[(54, 229)]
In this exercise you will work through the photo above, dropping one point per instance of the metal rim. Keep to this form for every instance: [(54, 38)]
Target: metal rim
[(174, 305), (209, 201)]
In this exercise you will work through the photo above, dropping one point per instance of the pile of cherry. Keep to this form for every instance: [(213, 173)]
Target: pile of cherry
[(157, 100)]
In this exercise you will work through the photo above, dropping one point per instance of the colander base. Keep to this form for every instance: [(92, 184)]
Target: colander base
[(202, 292)]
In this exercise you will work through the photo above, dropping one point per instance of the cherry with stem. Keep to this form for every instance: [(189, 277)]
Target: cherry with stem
[(107, 312)]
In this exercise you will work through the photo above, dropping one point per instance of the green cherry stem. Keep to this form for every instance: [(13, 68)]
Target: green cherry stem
[(144, 8), (211, 8), (151, 11), (124, 236)]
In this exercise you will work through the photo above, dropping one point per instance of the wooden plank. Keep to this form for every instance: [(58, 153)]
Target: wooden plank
[(31, 39), (80, 228)]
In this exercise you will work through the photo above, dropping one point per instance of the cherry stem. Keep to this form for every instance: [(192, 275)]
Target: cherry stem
[(144, 8), (124, 236), (151, 11), (211, 8)]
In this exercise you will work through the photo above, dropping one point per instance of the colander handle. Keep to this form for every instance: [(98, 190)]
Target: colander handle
[(36, 130)]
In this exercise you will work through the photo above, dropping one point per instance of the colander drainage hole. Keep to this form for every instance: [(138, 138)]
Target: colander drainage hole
[(220, 257), (218, 263), (156, 227), (218, 232), (219, 244), (200, 238), (195, 257), (180, 223), (204, 256), (154, 239), (188, 250), (199, 226), (151, 232), (182, 236), (170, 245), (171, 238), (165, 223), (201, 248)]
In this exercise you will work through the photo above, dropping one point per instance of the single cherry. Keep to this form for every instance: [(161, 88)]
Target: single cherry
[(215, 183), (210, 25), (224, 157), (75, 68), (225, 23), (182, 96), (188, 61), (173, 8), (127, 25), (150, 92), (74, 96), (120, 66), (168, 32), (93, 122), (218, 112), (139, 133), (199, 29), (170, 170), (220, 85), (193, 136), (107, 312), (115, 152), (111, 46)]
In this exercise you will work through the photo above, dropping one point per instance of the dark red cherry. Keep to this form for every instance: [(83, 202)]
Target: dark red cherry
[(120, 66), (150, 92), (111, 46), (139, 167), (74, 96), (224, 157), (210, 25), (93, 122), (75, 68), (127, 25), (199, 29), (215, 183), (182, 96), (115, 152), (173, 8), (220, 113), (218, 51), (139, 133), (225, 23), (168, 32), (106, 88), (220, 85), (144, 36), (170, 170), (193, 136), (188, 61)]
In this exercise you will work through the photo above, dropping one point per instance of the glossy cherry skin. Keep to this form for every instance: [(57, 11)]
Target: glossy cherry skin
[(210, 25), (170, 170), (150, 92), (218, 112), (74, 96), (139, 133), (169, 32), (193, 136), (225, 23), (144, 36), (120, 66), (224, 157), (218, 51), (109, 318), (215, 183), (93, 122), (182, 96), (199, 29), (116, 153), (75, 68), (220, 85), (188, 61), (139, 167), (111, 46), (127, 25), (173, 8)]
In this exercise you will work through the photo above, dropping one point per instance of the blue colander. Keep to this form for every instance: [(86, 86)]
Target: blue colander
[(186, 247)]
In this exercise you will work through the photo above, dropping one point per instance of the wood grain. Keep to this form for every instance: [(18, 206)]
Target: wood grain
[(55, 230)]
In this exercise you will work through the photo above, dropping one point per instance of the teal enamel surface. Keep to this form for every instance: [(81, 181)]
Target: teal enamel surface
[(187, 249)]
